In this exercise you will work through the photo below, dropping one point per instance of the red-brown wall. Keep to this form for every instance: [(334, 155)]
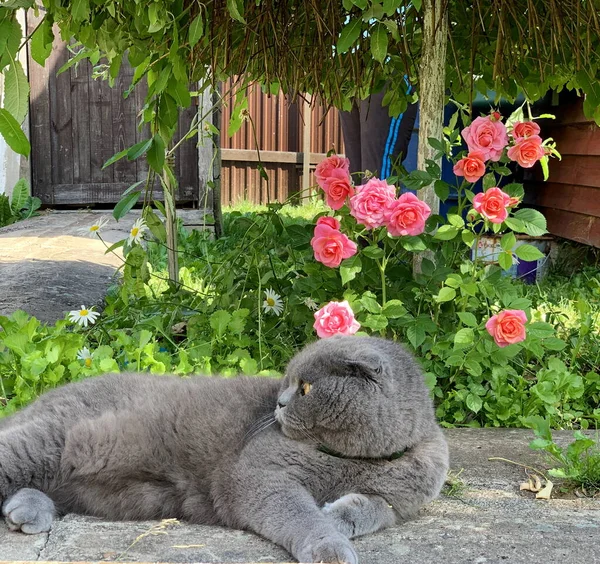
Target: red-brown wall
[(570, 199)]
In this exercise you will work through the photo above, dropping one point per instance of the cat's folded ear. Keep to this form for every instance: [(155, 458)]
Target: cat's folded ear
[(368, 365)]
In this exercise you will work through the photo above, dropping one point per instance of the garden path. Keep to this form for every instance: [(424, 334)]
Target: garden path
[(489, 521)]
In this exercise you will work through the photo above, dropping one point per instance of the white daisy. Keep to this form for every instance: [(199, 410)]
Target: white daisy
[(83, 316), (94, 229), (85, 355), (137, 230), (311, 304), (273, 302)]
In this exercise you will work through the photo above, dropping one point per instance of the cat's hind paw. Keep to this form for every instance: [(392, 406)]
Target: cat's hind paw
[(30, 511)]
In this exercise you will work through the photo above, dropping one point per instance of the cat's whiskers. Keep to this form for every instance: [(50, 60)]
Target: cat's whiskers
[(258, 426)]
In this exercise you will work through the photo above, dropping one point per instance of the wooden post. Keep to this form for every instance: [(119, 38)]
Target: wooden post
[(171, 223), (432, 79), (216, 173), (306, 137)]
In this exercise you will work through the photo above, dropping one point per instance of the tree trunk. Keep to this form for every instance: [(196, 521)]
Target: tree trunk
[(432, 79)]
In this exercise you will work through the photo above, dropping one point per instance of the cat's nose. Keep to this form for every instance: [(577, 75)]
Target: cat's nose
[(280, 405)]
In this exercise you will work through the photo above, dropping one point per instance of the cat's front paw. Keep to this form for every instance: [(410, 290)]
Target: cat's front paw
[(346, 512), (334, 549), (29, 511)]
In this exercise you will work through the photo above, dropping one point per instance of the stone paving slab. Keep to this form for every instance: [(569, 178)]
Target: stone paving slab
[(48, 267), (490, 521)]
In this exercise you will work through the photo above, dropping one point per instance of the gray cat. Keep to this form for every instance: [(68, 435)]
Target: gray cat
[(346, 444)]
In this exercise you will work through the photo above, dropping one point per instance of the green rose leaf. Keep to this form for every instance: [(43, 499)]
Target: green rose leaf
[(442, 189), (463, 338), (474, 403), (508, 241), (413, 244), (394, 309), (505, 260), (445, 295), (375, 322), (446, 233), (533, 221), (350, 268), (373, 252), (370, 303), (528, 253), (468, 318)]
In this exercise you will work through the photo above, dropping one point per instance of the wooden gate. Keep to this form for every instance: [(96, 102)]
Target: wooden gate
[(78, 123)]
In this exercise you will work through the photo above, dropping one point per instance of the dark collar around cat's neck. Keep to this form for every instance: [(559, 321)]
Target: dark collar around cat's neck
[(393, 456)]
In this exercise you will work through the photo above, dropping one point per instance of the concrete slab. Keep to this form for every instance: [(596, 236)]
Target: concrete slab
[(490, 521), (48, 267)]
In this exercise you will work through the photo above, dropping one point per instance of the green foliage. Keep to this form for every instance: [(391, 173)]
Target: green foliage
[(578, 463), (22, 205)]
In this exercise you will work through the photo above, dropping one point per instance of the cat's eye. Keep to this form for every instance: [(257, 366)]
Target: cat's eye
[(305, 388)]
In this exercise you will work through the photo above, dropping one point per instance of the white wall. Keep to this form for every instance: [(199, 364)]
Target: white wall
[(13, 166)]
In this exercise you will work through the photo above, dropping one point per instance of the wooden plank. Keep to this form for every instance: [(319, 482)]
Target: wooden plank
[(186, 158), (570, 112), (101, 130), (60, 115), (141, 133), (568, 197), (251, 156), (95, 193), (80, 129), (574, 170), (39, 116), (577, 139), (574, 226), (123, 124)]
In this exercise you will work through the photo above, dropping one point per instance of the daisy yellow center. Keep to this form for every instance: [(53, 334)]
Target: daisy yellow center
[(88, 362), (270, 302), (83, 312), (135, 231), (94, 228)]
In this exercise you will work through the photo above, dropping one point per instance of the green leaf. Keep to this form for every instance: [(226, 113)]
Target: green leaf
[(125, 204), (138, 149), (468, 237), (155, 225), (540, 329), (446, 233), (349, 35), (413, 243), (19, 196), (16, 89), (116, 157), (12, 133), (489, 181), (416, 335), (533, 221), (375, 322), (508, 241), (442, 189), (80, 10), (379, 43), (468, 318), (196, 30), (236, 10), (445, 295), (219, 321), (41, 41), (237, 115), (554, 344), (528, 253), (456, 220), (115, 246), (156, 154), (474, 402), (417, 5), (394, 309), (373, 252), (505, 260), (350, 268), (463, 338), (545, 170), (370, 303), (515, 224)]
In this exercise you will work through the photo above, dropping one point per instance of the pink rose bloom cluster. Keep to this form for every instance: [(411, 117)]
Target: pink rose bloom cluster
[(329, 244), (375, 205), (507, 327), (333, 176), (336, 318), (493, 204), (486, 135)]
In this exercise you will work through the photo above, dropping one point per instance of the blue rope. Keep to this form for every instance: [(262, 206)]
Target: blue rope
[(387, 150)]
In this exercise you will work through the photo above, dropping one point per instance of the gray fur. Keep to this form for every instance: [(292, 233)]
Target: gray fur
[(208, 450)]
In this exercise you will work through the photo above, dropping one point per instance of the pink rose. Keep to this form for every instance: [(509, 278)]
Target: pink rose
[(407, 215), (370, 202), (338, 187), (507, 327), (524, 129), (328, 220), (493, 204), (336, 318), (326, 166), (331, 246), (527, 151), (472, 167), (486, 135)]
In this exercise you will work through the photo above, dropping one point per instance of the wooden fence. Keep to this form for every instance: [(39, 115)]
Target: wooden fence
[(277, 135)]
